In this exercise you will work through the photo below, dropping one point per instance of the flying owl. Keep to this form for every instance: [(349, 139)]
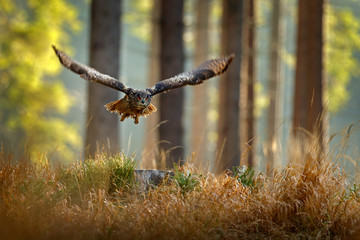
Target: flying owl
[(137, 102)]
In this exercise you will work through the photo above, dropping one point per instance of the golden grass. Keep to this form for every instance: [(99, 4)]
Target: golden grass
[(311, 199)]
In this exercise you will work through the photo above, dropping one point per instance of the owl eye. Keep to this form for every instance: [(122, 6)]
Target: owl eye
[(146, 99), (139, 98)]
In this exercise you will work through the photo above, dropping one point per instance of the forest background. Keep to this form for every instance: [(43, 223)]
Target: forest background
[(57, 130)]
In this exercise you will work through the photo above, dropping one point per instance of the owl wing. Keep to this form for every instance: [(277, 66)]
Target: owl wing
[(89, 73), (198, 75)]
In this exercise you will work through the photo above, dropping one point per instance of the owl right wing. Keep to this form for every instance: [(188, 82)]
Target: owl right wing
[(197, 76), (89, 73)]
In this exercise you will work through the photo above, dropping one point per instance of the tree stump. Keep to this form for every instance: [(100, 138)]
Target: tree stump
[(150, 178)]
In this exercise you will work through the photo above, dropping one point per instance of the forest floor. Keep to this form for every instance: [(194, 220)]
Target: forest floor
[(310, 198)]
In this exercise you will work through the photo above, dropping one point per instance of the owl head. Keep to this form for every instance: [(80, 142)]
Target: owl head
[(140, 98)]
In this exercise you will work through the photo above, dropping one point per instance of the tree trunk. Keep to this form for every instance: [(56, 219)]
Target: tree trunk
[(228, 145), (309, 86), (274, 86), (171, 63), (102, 127), (150, 154), (200, 96), (250, 106)]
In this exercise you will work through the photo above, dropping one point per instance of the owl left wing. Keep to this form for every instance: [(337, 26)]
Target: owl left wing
[(198, 75), (89, 73)]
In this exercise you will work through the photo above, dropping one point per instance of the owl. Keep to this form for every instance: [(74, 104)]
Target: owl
[(137, 102)]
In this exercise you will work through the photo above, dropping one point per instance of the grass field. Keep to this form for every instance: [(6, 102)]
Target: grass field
[(310, 198)]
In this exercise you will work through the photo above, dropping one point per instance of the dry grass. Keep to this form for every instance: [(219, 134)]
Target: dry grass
[(99, 200)]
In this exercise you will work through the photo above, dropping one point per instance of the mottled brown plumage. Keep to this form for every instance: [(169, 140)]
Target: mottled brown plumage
[(136, 102), (125, 108)]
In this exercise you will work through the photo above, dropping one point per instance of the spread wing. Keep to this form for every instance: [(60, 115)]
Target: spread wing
[(89, 73), (198, 75)]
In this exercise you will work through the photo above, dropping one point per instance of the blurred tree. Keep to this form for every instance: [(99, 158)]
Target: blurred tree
[(200, 94), (309, 83), (249, 81), (150, 154), (31, 101), (274, 112), (228, 145), (171, 63), (342, 43), (102, 127)]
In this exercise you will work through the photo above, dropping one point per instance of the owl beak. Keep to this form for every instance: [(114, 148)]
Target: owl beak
[(142, 101)]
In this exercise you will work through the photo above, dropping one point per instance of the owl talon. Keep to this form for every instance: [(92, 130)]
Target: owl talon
[(124, 116)]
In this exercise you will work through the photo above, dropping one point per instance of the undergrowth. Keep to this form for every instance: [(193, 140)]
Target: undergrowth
[(99, 199), (245, 175), (185, 180)]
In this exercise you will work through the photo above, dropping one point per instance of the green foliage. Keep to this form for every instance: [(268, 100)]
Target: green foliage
[(31, 101), (355, 191), (121, 172), (343, 40), (187, 182), (139, 18), (114, 173), (245, 175)]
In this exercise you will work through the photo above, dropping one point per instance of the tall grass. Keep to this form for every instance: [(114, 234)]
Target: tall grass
[(98, 199)]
